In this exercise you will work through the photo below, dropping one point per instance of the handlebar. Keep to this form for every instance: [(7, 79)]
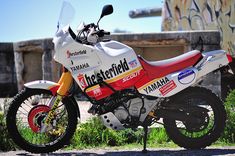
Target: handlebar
[(87, 30), (101, 33), (88, 26)]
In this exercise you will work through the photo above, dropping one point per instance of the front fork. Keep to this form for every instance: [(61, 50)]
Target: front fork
[(65, 83)]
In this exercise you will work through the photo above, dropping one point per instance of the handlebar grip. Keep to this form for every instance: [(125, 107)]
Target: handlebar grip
[(106, 33), (101, 33)]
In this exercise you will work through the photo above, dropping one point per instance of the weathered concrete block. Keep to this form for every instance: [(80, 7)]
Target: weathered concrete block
[(32, 66), (8, 81)]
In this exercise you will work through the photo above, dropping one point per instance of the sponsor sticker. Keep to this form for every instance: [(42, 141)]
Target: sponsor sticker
[(82, 81), (113, 71), (80, 67), (76, 53), (97, 92), (133, 63), (167, 88), (186, 76), (131, 76), (156, 85)]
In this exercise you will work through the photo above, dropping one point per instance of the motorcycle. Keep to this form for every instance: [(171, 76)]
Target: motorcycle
[(125, 90)]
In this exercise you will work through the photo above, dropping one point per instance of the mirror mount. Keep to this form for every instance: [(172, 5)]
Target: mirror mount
[(107, 10)]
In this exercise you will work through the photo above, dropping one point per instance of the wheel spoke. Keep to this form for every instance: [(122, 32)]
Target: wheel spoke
[(37, 115), (26, 115), (208, 112)]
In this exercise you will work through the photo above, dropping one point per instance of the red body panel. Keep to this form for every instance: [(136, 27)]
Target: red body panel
[(165, 69), (140, 76), (122, 82)]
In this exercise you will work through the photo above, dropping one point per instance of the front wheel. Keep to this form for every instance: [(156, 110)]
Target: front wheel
[(209, 112), (26, 115)]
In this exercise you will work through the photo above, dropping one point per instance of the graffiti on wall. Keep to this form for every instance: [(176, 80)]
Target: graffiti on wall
[(202, 15)]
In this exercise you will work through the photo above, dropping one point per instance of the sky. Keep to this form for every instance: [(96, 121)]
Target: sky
[(35, 19)]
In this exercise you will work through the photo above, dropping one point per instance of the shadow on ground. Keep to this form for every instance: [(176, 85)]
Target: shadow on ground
[(173, 152)]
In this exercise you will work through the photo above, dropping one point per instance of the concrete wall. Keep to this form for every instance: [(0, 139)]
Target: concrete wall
[(163, 45), (34, 61), (7, 70), (218, 15)]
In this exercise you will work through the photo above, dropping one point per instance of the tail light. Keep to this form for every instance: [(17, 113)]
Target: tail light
[(229, 57)]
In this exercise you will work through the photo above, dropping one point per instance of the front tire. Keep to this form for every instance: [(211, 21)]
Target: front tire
[(192, 136), (27, 112)]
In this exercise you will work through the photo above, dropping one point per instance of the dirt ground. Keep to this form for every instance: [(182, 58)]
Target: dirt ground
[(221, 151)]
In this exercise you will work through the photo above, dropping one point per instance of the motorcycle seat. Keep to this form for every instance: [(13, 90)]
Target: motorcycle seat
[(157, 69)]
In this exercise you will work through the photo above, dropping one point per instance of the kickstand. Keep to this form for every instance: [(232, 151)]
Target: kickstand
[(145, 138)]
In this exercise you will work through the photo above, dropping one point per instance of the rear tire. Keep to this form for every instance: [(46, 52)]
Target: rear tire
[(188, 135), (17, 125)]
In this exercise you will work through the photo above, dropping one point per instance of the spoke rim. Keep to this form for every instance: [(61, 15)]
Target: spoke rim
[(36, 138)]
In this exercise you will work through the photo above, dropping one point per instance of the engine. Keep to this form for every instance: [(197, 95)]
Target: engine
[(125, 110), (125, 105), (129, 111)]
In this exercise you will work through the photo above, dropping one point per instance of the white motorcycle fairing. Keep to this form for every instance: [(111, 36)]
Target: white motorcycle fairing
[(118, 65), (112, 62)]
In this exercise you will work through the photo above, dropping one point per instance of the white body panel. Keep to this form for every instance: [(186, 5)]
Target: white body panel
[(211, 61), (175, 82), (170, 84), (107, 59)]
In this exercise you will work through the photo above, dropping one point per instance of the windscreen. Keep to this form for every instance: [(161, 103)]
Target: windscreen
[(66, 15)]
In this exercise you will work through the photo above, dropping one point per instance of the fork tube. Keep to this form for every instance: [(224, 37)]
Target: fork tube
[(65, 83)]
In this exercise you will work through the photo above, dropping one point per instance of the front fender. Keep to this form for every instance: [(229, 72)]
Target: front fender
[(53, 87), (43, 84)]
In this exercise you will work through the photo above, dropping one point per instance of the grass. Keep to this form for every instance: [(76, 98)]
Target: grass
[(229, 133), (93, 134), (6, 143)]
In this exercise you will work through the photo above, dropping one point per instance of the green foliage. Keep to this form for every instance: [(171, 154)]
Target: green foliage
[(229, 133), (129, 136), (93, 133), (30, 136), (158, 136), (6, 143)]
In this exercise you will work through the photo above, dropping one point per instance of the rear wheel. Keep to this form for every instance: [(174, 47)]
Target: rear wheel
[(26, 115), (209, 112)]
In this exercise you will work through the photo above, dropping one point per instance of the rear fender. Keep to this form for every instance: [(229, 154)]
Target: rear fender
[(212, 61)]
